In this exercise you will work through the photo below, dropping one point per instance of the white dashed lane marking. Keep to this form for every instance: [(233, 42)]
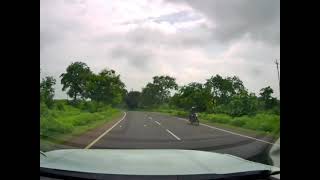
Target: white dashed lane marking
[(173, 134)]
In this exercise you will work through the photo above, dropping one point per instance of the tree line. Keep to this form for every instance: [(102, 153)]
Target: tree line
[(217, 95)]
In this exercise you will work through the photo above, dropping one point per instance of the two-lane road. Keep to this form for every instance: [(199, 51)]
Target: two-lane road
[(145, 130)]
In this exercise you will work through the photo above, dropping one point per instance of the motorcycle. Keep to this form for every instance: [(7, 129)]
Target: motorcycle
[(193, 118)]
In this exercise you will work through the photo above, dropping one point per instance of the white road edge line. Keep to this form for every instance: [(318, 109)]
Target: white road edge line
[(235, 133), (157, 122), (173, 135), (108, 130)]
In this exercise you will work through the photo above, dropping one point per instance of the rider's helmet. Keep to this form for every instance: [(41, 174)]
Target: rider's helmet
[(193, 108)]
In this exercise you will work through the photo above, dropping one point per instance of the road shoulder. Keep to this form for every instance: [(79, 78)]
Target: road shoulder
[(81, 141), (227, 127)]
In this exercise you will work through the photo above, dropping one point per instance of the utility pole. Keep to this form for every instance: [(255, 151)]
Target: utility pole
[(277, 63)]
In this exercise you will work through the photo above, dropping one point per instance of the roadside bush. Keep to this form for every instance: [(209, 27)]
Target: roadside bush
[(54, 122), (265, 127), (92, 107), (49, 126), (276, 110), (238, 122), (263, 122), (89, 106), (219, 118), (43, 109), (182, 113), (79, 105), (73, 103), (84, 119), (60, 106), (222, 109)]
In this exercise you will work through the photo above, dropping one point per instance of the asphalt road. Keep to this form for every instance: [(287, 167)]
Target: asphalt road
[(146, 130)]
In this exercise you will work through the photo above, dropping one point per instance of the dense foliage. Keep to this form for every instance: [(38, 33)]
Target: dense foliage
[(219, 99)]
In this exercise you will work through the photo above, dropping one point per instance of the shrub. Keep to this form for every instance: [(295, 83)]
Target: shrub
[(43, 109), (276, 110), (49, 126), (263, 122), (238, 122), (89, 106), (220, 118), (181, 113), (60, 106)]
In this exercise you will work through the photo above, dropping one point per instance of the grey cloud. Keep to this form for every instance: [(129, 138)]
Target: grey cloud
[(182, 16), (50, 35), (150, 37), (46, 38), (189, 55), (54, 27), (80, 5), (177, 17), (75, 1), (256, 72), (235, 18), (138, 57)]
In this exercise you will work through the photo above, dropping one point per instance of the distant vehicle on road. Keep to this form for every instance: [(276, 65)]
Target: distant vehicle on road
[(193, 117)]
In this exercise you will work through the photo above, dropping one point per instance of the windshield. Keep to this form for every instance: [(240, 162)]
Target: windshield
[(161, 74)]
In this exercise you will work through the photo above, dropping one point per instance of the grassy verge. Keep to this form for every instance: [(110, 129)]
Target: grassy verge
[(264, 124), (63, 122)]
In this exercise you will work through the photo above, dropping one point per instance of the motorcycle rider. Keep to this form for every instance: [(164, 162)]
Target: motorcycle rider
[(193, 110), (193, 115)]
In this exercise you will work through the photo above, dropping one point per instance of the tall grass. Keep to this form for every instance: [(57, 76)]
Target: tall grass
[(266, 122), (64, 119)]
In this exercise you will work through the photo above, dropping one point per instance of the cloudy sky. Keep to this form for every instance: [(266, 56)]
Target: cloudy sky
[(190, 40)]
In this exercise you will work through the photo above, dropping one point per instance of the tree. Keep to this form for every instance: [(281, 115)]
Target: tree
[(163, 85), (266, 92), (75, 80), (149, 95), (222, 89), (47, 90), (133, 99), (237, 85), (265, 95), (242, 104), (105, 87), (193, 94), (158, 92)]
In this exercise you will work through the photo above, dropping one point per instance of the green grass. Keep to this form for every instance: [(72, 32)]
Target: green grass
[(240, 130), (263, 123), (173, 112), (64, 121)]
